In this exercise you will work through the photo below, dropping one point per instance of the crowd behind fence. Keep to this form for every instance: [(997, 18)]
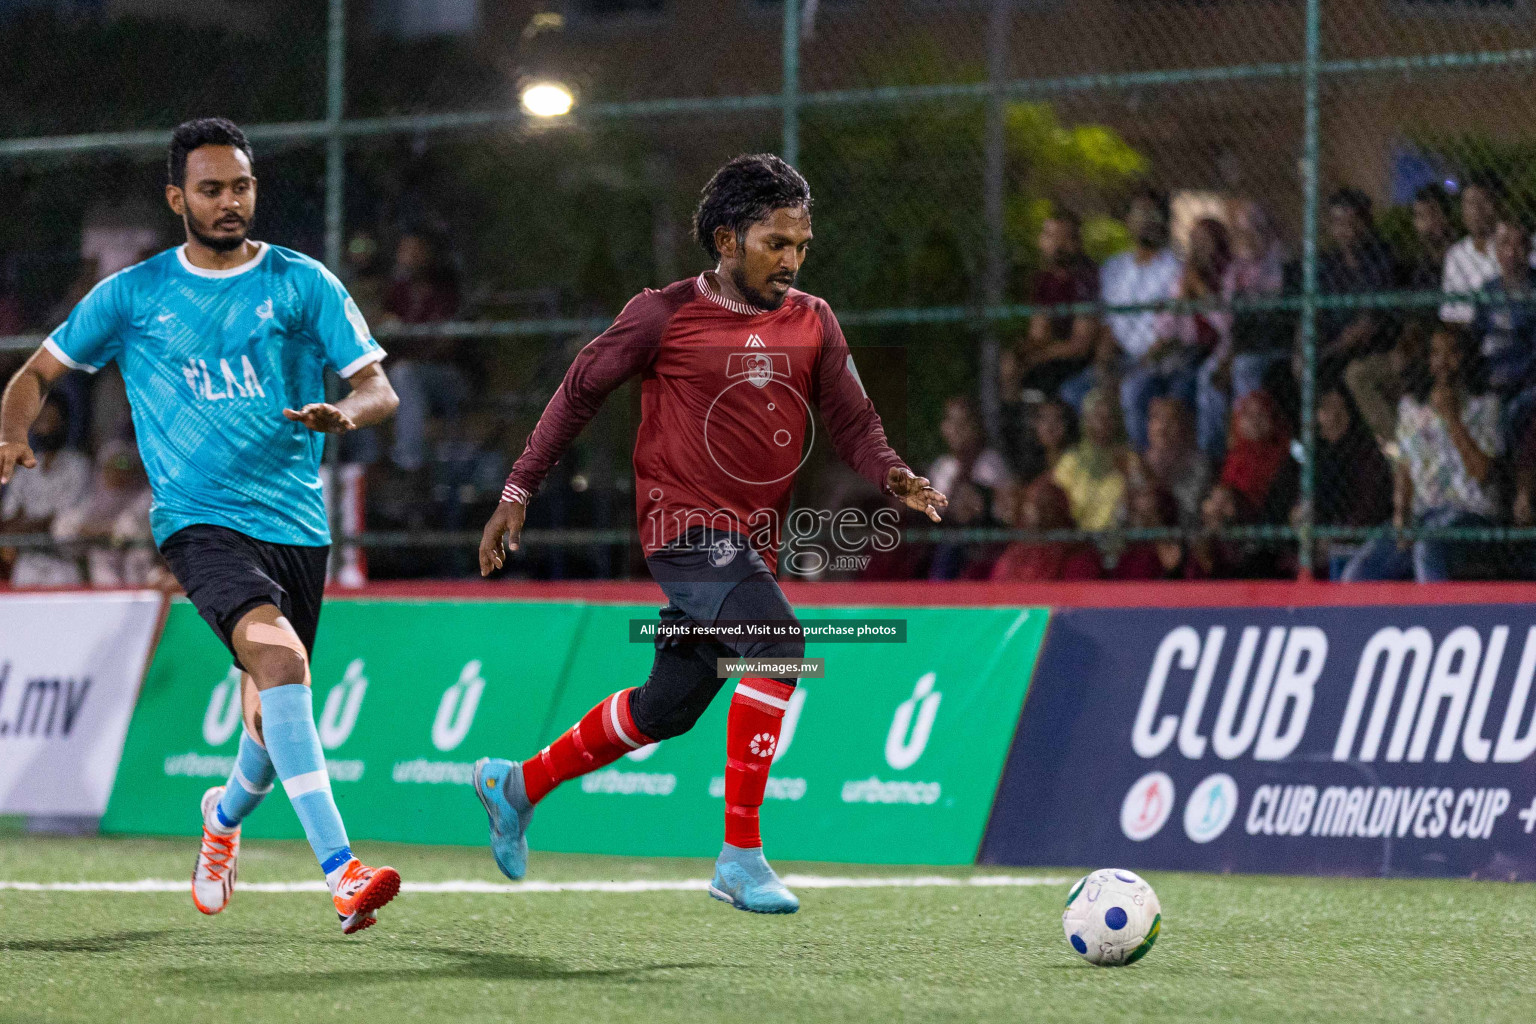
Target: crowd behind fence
[(1167, 290)]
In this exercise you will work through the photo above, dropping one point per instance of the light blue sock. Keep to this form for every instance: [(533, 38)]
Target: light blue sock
[(248, 783), (288, 723)]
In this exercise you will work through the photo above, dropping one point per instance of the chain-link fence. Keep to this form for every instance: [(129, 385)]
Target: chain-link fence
[(1154, 289)]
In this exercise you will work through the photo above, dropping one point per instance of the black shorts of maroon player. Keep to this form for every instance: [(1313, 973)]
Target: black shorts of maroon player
[(227, 573), (709, 577)]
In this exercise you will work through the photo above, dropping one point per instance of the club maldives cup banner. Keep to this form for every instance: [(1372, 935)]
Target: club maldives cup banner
[(893, 756), (70, 665), (1363, 741)]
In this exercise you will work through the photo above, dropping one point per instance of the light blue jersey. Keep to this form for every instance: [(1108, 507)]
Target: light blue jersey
[(210, 360)]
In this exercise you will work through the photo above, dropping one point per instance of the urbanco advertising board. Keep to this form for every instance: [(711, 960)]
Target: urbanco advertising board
[(1361, 741)]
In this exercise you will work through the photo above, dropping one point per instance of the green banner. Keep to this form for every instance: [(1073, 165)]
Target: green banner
[(893, 757)]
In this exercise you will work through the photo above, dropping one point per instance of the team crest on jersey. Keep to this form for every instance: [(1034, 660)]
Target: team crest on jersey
[(722, 553), (755, 341), (265, 311), (757, 367)]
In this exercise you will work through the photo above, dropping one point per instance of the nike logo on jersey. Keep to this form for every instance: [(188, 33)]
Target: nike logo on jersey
[(264, 311), (755, 342), (202, 382), (163, 317)]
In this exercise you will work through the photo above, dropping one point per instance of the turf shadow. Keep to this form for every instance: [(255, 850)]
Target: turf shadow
[(472, 965), (114, 943)]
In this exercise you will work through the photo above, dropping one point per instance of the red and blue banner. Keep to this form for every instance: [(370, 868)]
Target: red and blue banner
[(1379, 740)]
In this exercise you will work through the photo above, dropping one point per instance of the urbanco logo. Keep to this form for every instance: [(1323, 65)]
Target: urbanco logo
[(913, 724), (223, 714), (342, 705), (456, 711)]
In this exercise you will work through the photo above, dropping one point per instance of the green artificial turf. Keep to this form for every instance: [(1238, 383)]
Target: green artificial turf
[(1232, 948)]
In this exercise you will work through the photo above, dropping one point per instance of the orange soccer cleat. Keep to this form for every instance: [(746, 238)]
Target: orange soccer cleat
[(213, 877), (361, 890)]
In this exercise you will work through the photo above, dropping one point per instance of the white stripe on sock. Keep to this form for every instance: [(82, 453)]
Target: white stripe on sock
[(743, 690), (250, 787), (618, 730), (309, 782)]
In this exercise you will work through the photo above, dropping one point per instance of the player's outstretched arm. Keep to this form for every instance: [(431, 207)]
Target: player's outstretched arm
[(22, 402), (373, 400), (915, 492), (501, 535)]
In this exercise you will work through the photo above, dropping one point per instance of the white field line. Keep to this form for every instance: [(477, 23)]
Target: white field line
[(519, 888)]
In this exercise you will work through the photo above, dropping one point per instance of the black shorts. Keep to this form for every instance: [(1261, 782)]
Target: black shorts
[(226, 573)]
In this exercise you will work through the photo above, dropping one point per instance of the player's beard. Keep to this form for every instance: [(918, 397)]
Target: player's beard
[(761, 300), (218, 243)]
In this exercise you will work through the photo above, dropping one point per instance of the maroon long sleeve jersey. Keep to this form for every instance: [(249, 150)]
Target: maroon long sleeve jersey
[(726, 393)]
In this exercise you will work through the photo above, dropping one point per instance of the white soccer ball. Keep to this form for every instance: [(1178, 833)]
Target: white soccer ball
[(1112, 917)]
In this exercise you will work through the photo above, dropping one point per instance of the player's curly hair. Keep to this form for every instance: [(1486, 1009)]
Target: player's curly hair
[(743, 192), (203, 131)]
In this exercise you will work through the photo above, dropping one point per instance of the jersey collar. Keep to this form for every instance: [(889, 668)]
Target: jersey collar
[(731, 304), (247, 266)]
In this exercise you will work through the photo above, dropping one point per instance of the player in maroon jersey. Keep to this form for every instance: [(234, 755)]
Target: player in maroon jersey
[(730, 363)]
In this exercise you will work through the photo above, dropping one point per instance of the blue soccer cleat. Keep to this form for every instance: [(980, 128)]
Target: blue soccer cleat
[(499, 785), (745, 881)]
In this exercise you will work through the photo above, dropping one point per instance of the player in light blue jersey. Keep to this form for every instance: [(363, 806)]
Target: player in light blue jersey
[(223, 343)]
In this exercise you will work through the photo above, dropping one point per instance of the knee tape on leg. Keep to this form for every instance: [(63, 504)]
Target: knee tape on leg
[(276, 636)]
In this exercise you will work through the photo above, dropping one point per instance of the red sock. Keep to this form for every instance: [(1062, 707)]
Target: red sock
[(603, 735), (751, 737)]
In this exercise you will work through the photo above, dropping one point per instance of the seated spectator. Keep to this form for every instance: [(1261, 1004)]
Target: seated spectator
[(1359, 262), (34, 497), (1151, 507), (1093, 472), (1147, 273), (1047, 430), (1504, 326), (1252, 340), (1449, 437), (1212, 557), (1169, 362), (1352, 480), (1435, 234), (1258, 464), (1058, 348), (1172, 462), (114, 518), (424, 372), (1044, 507), (1470, 263), (968, 457)]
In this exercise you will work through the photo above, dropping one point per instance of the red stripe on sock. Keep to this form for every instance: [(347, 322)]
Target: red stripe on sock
[(584, 747)]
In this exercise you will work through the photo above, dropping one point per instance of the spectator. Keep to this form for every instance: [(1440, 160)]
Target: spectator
[(34, 497), (1147, 273), (1055, 432), (1151, 507), (1449, 438), (1044, 507), (114, 518), (1214, 557), (425, 374), (1470, 263), (1093, 472), (1355, 342), (1352, 480), (1504, 327), (1259, 457), (1172, 461), (1058, 348), (1254, 340), (1435, 234), (968, 457)]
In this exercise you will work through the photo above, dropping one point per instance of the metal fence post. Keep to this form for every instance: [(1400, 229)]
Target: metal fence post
[(1309, 182), (790, 96), (994, 185), (335, 150)]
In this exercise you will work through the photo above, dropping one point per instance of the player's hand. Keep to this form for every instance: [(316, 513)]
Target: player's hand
[(915, 492), (322, 418), (501, 535), (13, 454)]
